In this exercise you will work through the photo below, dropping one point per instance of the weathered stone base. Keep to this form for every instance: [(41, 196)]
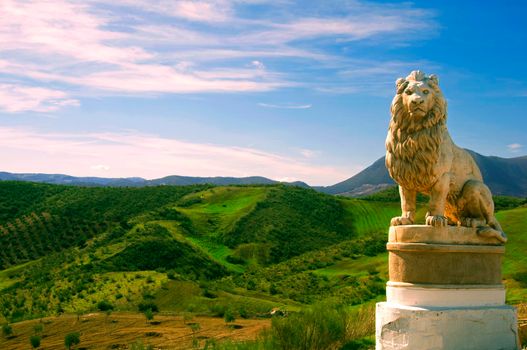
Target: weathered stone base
[(414, 328)]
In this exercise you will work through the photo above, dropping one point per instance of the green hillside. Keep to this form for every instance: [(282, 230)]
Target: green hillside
[(203, 250), (68, 248)]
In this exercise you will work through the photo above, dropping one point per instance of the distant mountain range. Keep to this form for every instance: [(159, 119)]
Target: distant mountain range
[(60, 179), (504, 176)]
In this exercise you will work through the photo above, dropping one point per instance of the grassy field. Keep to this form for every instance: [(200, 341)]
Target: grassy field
[(514, 223), (215, 211), (369, 216), (121, 330)]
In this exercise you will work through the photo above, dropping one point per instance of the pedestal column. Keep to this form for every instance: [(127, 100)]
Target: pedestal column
[(445, 292)]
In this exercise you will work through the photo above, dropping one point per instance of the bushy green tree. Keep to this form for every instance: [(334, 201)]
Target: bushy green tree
[(35, 341), (7, 330), (149, 315), (104, 305), (72, 339), (229, 316)]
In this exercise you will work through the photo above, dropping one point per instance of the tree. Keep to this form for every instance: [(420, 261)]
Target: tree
[(229, 316), (104, 305), (149, 315), (7, 330), (35, 341), (72, 339)]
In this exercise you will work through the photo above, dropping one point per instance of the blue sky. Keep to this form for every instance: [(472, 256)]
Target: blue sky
[(291, 90)]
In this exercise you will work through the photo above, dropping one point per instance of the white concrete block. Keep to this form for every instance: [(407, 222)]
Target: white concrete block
[(401, 327), (445, 296)]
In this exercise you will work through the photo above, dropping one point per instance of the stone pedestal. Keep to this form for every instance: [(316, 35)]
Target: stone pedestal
[(457, 328), (444, 292)]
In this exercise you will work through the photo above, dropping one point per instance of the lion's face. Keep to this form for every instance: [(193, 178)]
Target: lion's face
[(418, 99)]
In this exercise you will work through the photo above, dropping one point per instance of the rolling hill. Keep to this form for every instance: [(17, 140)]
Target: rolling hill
[(176, 180), (197, 251), (504, 176)]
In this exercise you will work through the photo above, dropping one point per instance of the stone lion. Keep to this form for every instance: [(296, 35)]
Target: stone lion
[(421, 157)]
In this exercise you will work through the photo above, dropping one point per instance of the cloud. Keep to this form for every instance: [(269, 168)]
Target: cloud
[(199, 11), (17, 98), (258, 65), (309, 153), (150, 156), (285, 106), (514, 147), (136, 46), (100, 167)]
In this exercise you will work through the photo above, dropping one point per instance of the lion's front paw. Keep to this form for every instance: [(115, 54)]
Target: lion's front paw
[(436, 220), (401, 220)]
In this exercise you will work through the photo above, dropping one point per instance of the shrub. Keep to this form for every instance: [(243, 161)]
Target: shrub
[(218, 310), (318, 328), (72, 339), (148, 305), (7, 330), (149, 315), (35, 341), (229, 316), (104, 305), (243, 312)]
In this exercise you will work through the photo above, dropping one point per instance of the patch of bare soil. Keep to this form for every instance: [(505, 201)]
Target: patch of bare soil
[(120, 330)]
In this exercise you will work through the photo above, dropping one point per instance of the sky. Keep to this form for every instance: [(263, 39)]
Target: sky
[(290, 90)]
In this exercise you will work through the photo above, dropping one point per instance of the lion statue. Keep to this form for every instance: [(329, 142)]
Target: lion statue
[(421, 157)]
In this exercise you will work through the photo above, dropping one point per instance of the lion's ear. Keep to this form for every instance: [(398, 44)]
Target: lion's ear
[(401, 84), (433, 78)]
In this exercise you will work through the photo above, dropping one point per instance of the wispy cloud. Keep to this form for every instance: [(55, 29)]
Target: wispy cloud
[(164, 47), (309, 153), (150, 156), (192, 10), (285, 106), (17, 98), (515, 147), (100, 167)]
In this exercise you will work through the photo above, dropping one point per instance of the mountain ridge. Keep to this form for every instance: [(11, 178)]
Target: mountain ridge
[(504, 176), (177, 180)]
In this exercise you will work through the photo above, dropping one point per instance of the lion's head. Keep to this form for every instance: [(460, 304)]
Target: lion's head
[(418, 102), (416, 129)]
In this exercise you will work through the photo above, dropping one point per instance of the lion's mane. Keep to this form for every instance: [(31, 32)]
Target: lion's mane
[(412, 149)]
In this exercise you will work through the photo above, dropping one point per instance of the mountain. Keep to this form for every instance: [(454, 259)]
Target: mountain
[(504, 176), (61, 179)]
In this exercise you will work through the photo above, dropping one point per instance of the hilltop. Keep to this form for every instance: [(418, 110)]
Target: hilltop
[(200, 250)]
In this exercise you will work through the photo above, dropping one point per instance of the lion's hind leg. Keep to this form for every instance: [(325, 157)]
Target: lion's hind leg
[(476, 209)]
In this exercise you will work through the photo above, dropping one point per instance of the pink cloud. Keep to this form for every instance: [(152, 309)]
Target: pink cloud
[(192, 10), (77, 43), (149, 156), (15, 98)]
